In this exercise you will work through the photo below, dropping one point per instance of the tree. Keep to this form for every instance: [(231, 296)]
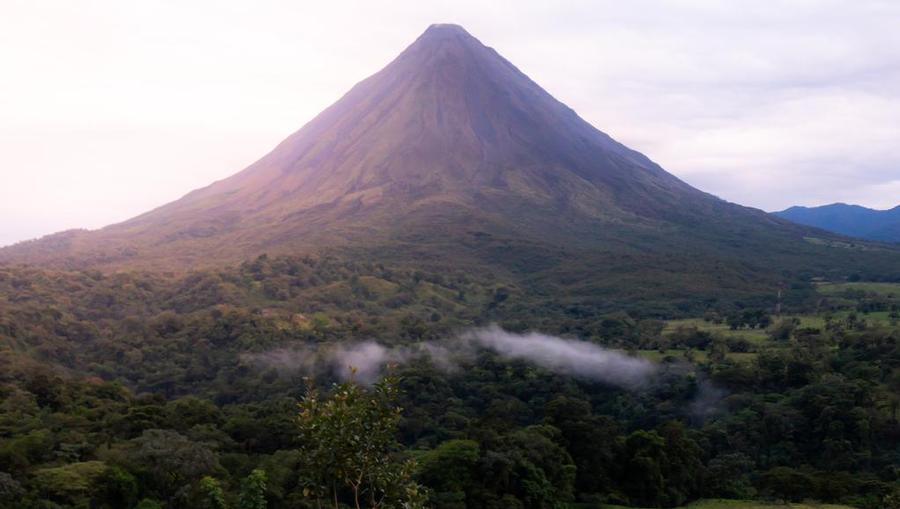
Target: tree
[(190, 411), (253, 490), (642, 469), (543, 474), (663, 467), (786, 483), (10, 489), (73, 484), (212, 495), (682, 468), (148, 503), (727, 475), (118, 487), (171, 460), (349, 441), (450, 470), (590, 439), (783, 329)]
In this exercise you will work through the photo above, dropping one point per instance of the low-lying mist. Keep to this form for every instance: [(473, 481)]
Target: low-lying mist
[(366, 360)]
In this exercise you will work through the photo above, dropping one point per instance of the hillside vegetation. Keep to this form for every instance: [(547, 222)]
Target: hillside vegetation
[(97, 370)]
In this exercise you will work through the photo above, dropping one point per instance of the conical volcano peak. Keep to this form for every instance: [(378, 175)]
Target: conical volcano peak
[(446, 31), (449, 133), (446, 28), (442, 35)]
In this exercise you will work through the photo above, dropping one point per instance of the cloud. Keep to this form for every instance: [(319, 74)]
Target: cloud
[(364, 361), (565, 356)]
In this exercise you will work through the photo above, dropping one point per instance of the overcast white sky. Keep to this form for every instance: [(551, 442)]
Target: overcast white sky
[(109, 108)]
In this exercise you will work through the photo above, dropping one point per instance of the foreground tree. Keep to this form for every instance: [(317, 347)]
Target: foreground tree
[(349, 441), (213, 496), (253, 491)]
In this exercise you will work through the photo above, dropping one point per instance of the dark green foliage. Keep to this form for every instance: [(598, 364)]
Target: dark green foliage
[(751, 319), (118, 488), (74, 484), (143, 397), (592, 440), (211, 494), (253, 490), (539, 472), (350, 450), (786, 483), (728, 475), (148, 504), (10, 490), (170, 462), (451, 471)]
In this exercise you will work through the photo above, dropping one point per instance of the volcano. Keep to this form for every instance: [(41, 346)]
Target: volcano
[(451, 155)]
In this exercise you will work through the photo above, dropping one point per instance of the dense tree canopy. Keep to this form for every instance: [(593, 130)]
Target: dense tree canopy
[(141, 390)]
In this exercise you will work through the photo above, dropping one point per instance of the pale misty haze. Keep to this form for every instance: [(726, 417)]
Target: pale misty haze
[(111, 108)]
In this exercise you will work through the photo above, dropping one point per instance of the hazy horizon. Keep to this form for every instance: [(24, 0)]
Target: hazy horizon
[(112, 109)]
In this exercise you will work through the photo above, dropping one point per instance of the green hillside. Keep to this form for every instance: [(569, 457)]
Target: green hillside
[(96, 370)]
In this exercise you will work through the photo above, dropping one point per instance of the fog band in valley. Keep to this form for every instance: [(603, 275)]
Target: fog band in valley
[(564, 356), (364, 361)]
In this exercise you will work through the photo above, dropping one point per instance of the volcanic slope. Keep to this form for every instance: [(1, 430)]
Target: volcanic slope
[(451, 156)]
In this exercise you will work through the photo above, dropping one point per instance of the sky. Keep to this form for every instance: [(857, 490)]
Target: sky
[(109, 108)]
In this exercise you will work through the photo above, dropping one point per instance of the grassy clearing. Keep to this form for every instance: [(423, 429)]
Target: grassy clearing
[(809, 321), (759, 338), (726, 504), (658, 356), (755, 336), (883, 289), (696, 355), (846, 297), (877, 318), (745, 504)]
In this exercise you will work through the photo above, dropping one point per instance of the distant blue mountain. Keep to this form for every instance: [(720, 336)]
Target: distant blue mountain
[(850, 220)]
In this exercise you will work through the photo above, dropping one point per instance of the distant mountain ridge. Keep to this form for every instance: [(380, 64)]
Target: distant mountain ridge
[(850, 220)]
